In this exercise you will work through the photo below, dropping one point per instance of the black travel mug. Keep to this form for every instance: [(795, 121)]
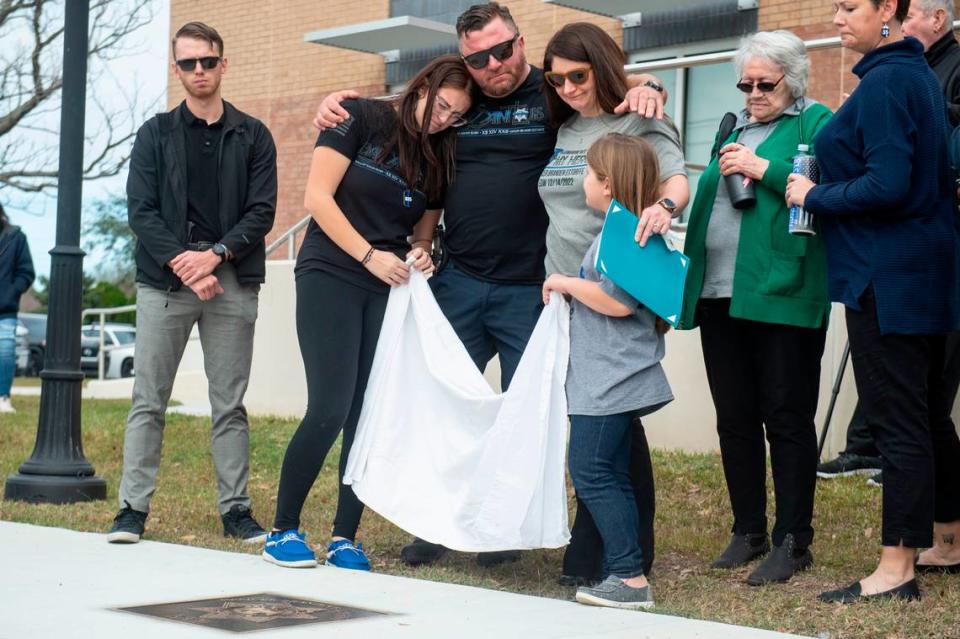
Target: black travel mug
[(741, 190)]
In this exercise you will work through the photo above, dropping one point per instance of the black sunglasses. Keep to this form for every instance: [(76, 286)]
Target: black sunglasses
[(501, 52), (576, 76), (765, 87), (189, 64)]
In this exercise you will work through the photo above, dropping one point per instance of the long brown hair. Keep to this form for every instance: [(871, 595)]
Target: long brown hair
[(427, 161), (585, 42), (630, 164), (4, 220)]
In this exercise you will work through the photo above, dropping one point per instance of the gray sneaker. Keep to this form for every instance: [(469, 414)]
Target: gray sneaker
[(612, 592)]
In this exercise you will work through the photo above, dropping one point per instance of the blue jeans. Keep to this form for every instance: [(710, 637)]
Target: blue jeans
[(489, 318), (8, 354), (599, 458)]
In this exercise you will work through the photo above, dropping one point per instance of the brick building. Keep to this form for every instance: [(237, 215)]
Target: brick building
[(276, 74)]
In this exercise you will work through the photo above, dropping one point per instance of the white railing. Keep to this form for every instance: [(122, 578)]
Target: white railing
[(290, 238), (102, 313)]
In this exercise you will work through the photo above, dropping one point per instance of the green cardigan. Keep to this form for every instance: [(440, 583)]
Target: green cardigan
[(778, 277)]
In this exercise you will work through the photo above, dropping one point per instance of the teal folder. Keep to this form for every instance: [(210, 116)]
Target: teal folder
[(654, 275)]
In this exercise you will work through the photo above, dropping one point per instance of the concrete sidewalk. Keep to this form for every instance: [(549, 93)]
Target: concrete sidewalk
[(59, 583)]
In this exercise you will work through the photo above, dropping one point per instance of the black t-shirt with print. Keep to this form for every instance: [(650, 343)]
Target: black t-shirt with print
[(496, 223), (372, 195)]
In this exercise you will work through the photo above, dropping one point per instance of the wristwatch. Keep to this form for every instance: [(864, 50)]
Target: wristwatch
[(669, 205), (656, 86), (220, 251)]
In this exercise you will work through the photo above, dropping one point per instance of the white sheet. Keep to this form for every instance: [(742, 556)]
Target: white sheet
[(441, 455)]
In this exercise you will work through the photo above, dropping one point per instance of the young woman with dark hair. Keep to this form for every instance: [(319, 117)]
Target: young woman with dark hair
[(376, 180), (584, 77)]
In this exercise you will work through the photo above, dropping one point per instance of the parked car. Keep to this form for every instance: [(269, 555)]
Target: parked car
[(119, 341), (36, 324), (22, 349)]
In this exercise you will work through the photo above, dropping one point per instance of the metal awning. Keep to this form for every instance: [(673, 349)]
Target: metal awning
[(385, 36), (620, 8)]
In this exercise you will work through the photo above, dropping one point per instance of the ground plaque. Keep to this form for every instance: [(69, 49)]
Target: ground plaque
[(246, 613)]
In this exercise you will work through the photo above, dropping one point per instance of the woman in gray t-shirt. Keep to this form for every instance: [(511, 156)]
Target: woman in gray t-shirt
[(584, 83)]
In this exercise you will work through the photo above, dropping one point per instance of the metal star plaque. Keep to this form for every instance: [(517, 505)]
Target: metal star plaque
[(247, 613)]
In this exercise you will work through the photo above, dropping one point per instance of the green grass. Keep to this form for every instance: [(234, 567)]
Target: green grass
[(692, 527)]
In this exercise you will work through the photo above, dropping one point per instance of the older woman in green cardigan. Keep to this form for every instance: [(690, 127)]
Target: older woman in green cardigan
[(759, 296)]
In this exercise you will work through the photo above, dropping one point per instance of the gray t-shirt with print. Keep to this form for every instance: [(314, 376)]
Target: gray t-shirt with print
[(614, 361), (572, 224)]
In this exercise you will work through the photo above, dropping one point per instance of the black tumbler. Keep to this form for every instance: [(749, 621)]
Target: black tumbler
[(741, 190)]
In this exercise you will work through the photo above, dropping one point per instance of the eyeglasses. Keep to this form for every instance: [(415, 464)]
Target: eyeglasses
[(501, 52), (765, 87), (208, 62), (576, 76), (454, 118)]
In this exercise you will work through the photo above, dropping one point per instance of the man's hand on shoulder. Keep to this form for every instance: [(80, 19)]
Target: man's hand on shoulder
[(330, 113), (643, 98), (193, 266)]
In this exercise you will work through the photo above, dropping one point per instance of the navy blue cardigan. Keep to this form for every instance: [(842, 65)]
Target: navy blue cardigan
[(16, 270), (885, 201)]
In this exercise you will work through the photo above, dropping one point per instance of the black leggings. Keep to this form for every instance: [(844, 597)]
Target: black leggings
[(337, 325)]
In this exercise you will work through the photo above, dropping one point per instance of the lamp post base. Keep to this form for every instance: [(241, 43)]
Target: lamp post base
[(54, 489)]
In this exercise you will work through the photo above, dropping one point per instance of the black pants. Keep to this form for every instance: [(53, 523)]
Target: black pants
[(900, 380), (337, 325), (584, 554), (760, 375)]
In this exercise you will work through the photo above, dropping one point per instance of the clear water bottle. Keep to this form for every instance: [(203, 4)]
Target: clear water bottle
[(801, 220)]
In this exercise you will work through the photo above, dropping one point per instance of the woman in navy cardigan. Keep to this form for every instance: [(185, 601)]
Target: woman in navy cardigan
[(885, 209)]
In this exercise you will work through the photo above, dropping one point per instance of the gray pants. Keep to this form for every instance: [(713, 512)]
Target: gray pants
[(164, 322)]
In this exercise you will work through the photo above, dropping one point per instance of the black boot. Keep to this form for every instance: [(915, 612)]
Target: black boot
[(421, 553), (741, 550), (781, 563)]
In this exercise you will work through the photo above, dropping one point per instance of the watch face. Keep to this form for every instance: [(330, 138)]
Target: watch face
[(670, 204)]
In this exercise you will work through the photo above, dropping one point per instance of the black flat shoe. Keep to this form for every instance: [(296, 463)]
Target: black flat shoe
[(852, 594), (741, 550), (933, 569)]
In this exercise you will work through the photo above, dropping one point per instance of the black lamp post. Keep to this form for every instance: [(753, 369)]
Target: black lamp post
[(57, 471)]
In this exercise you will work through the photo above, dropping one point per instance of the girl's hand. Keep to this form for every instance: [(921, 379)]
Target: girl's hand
[(653, 219), (554, 283), (736, 158), (388, 268), (797, 188), (421, 260)]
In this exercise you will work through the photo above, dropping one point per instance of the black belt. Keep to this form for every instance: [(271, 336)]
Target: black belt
[(200, 246)]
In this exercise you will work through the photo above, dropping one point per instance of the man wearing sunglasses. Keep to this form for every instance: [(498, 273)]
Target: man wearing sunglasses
[(490, 290), (201, 196)]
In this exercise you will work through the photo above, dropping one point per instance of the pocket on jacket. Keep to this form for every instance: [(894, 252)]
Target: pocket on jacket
[(785, 276)]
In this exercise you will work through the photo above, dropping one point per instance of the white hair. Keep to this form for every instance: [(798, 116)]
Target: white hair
[(782, 48), (929, 6)]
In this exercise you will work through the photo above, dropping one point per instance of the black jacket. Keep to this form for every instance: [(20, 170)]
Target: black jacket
[(157, 194), (943, 56), (16, 269)]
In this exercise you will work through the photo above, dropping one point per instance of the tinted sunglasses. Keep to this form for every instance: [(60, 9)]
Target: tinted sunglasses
[(189, 64), (765, 87), (501, 52), (576, 76)]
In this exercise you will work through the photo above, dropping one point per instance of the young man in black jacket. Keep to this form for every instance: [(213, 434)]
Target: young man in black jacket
[(201, 197), (16, 276)]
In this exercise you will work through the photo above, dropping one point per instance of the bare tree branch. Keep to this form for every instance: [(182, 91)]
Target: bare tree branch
[(31, 78)]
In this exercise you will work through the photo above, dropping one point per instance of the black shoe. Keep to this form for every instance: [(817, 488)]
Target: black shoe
[(851, 594), (240, 524), (421, 553), (741, 550), (127, 526), (578, 581), (934, 569), (847, 464), (491, 559), (876, 480), (781, 563)]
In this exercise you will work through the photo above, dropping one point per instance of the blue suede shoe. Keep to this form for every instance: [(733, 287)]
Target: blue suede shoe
[(289, 549), (343, 554)]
